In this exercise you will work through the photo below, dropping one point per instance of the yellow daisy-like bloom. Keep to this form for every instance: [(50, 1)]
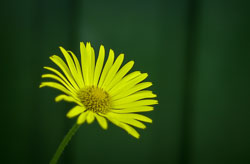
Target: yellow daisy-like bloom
[(102, 91)]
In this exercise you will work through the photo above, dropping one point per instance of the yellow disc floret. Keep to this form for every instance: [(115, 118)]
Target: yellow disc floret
[(95, 99)]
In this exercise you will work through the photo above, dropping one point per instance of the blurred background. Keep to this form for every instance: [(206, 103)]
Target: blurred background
[(197, 54)]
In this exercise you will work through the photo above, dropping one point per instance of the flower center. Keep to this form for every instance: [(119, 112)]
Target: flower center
[(95, 99)]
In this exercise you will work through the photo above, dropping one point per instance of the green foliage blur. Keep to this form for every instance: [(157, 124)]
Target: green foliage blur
[(197, 54)]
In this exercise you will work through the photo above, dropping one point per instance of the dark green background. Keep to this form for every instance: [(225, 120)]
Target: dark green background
[(197, 53)]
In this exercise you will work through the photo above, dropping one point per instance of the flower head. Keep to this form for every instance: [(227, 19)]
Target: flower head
[(102, 91)]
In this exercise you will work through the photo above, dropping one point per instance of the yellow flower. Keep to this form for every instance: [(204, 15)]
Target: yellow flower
[(102, 92)]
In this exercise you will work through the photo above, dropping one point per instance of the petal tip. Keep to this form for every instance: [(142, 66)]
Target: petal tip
[(82, 45), (132, 62), (105, 128), (137, 136), (53, 56), (41, 85), (68, 115), (57, 99), (79, 122), (111, 52), (154, 95)]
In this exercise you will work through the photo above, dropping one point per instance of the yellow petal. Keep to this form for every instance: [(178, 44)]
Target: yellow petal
[(102, 121), (136, 104), (72, 66), (138, 117), (90, 117), (84, 61), (135, 109), (82, 118), (132, 90), (69, 87), (124, 81), (68, 99), (61, 76), (122, 72), (126, 127), (75, 111), (78, 69), (107, 66), (113, 70), (134, 97), (99, 65), (56, 86), (60, 63), (128, 120), (130, 84), (92, 69), (90, 63)]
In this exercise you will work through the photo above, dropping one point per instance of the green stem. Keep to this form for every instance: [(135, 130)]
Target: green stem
[(64, 143)]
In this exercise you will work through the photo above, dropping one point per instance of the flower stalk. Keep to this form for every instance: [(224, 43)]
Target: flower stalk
[(64, 143)]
